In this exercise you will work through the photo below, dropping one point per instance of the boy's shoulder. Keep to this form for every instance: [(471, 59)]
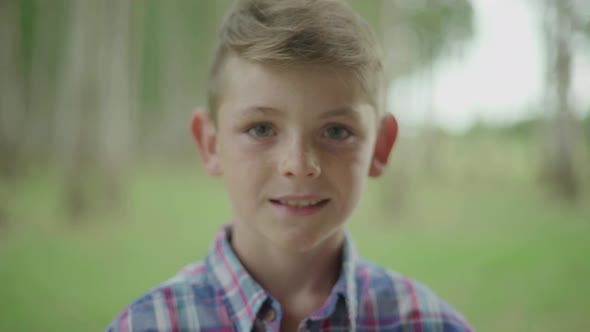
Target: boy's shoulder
[(188, 299), (388, 298)]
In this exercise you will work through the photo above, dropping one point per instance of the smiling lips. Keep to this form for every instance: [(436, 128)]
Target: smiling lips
[(300, 205)]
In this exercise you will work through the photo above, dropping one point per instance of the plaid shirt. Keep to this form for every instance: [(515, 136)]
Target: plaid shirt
[(219, 295)]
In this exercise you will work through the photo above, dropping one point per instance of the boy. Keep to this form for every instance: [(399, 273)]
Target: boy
[(295, 125)]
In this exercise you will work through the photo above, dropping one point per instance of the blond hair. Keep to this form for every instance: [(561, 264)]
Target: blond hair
[(299, 32)]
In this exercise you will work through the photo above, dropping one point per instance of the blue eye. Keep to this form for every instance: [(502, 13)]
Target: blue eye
[(337, 133), (261, 131)]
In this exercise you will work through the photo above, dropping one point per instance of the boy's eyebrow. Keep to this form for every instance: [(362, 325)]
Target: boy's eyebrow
[(343, 111), (263, 110)]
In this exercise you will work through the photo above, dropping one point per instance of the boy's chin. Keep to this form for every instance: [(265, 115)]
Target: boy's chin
[(305, 241)]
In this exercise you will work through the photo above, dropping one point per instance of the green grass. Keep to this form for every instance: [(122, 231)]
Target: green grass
[(503, 252)]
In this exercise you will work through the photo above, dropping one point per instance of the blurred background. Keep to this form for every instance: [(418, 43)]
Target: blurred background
[(487, 199)]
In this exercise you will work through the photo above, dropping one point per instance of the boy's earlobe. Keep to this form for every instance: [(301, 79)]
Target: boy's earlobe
[(204, 134), (385, 139)]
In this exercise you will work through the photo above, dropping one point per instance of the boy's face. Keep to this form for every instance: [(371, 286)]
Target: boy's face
[(294, 146)]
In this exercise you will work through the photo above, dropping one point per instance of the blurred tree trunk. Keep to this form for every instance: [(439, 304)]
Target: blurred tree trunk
[(75, 118), (118, 95), (561, 154), (431, 139), (12, 98), (46, 49), (175, 62), (180, 47), (93, 121), (183, 53), (564, 155)]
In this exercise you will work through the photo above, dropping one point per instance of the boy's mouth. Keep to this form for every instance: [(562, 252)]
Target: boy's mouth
[(300, 206), (299, 203)]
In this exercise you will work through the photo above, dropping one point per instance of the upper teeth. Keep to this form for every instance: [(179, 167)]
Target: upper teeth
[(300, 203)]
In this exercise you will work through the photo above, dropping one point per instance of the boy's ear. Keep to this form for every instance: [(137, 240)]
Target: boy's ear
[(385, 139), (205, 135)]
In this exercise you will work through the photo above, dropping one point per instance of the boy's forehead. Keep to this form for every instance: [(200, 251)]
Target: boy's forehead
[(245, 79), (238, 66)]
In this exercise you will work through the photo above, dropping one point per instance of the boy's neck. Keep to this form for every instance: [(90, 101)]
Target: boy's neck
[(299, 281)]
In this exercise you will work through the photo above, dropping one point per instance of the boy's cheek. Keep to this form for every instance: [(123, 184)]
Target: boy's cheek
[(351, 158), (239, 155)]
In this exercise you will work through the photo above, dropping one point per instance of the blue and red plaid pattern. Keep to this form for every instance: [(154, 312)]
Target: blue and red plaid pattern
[(218, 295)]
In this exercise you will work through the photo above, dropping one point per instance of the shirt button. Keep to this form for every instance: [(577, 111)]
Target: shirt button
[(270, 315)]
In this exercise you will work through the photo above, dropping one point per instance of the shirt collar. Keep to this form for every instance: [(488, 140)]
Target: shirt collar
[(244, 297)]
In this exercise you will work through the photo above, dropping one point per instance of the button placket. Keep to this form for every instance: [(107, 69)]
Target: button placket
[(270, 315), (304, 326)]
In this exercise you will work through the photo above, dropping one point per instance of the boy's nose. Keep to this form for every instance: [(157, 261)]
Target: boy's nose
[(299, 161)]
